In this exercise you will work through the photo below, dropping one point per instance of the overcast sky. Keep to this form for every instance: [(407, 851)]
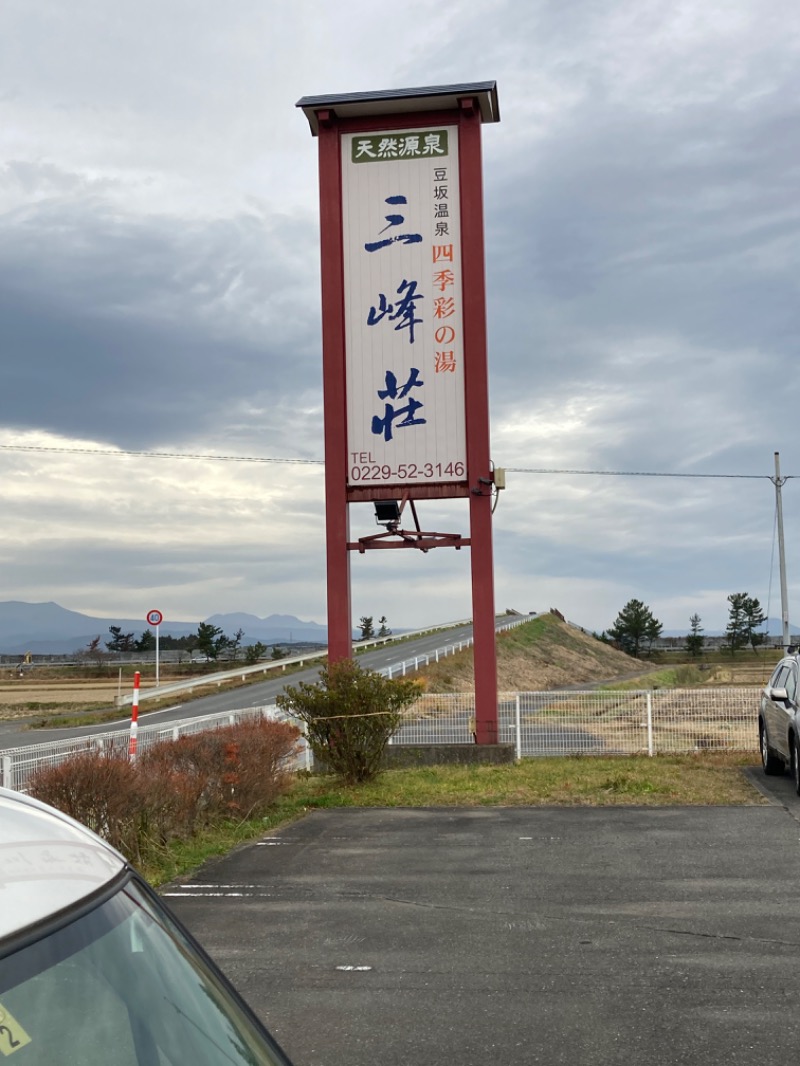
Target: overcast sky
[(159, 292)]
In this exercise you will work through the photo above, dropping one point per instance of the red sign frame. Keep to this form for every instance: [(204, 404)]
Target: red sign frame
[(467, 107)]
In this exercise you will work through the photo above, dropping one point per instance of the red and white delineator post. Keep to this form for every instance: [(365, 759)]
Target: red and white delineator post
[(134, 717)]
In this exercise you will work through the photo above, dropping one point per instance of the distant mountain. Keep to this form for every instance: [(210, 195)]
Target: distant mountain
[(23, 625), (279, 626), (49, 628), (18, 617)]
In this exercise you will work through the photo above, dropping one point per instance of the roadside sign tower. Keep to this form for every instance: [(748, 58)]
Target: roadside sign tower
[(404, 336)]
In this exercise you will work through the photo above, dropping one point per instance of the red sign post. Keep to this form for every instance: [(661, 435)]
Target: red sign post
[(404, 335)]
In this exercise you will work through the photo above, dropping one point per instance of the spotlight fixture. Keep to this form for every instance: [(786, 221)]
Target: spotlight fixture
[(387, 512)]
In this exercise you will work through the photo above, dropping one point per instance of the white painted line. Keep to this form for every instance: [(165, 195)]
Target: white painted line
[(270, 843), (196, 888), (358, 969), (126, 721), (208, 895), (164, 710), (217, 895)]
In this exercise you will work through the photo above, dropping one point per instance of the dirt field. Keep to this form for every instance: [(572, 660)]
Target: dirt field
[(24, 697)]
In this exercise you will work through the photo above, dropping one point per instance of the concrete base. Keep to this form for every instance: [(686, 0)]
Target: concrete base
[(408, 756)]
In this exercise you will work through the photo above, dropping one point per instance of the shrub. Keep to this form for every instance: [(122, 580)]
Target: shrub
[(349, 715), (175, 789), (238, 770), (102, 790), (258, 763)]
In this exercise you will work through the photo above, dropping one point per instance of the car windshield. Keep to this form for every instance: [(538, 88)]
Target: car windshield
[(123, 986)]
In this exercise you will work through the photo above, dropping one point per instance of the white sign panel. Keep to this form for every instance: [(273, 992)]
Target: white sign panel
[(403, 320)]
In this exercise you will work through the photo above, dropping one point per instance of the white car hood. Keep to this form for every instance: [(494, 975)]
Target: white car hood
[(47, 862)]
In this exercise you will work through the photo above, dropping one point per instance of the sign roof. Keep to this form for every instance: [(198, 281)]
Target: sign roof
[(403, 101)]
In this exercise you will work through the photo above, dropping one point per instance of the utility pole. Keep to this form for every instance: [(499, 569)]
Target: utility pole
[(778, 482)]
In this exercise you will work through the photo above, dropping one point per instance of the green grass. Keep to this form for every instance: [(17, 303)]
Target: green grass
[(668, 780), (90, 716), (578, 780), (683, 675), (548, 631), (182, 856), (533, 630), (712, 657), (718, 656)]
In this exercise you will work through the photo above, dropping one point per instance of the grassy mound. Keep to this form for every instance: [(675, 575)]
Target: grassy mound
[(542, 654)]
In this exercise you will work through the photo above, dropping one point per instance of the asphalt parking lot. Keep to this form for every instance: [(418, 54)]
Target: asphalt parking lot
[(516, 935)]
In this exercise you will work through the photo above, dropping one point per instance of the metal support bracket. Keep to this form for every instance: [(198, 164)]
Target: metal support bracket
[(403, 538), (394, 537)]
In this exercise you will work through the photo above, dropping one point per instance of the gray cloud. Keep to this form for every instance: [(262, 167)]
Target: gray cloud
[(159, 289), (138, 331)]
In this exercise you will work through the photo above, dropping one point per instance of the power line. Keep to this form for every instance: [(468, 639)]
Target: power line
[(156, 455), (321, 462), (629, 473)]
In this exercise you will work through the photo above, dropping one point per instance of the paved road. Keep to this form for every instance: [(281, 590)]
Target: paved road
[(515, 936), (14, 733), (777, 789)]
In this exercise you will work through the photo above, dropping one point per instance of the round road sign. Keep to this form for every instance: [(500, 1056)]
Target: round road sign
[(154, 618)]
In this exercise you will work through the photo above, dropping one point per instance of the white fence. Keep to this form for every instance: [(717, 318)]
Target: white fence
[(408, 666), (17, 764), (610, 723), (537, 723)]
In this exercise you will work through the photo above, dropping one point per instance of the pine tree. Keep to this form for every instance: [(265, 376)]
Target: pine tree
[(635, 628), (737, 630), (695, 639), (754, 618)]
